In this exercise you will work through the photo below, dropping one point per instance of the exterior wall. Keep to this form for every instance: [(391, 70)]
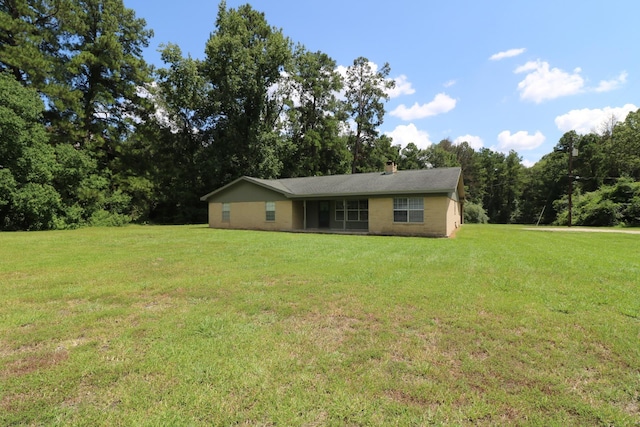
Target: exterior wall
[(435, 218), (252, 215), (215, 216), (442, 214), (453, 215)]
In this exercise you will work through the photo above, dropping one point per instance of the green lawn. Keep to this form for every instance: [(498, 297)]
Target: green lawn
[(187, 325)]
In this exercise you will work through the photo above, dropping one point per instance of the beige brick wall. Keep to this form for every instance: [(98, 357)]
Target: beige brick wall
[(215, 216), (435, 220), (453, 216), (441, 217), (251, 215)]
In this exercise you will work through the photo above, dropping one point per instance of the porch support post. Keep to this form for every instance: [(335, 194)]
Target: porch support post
[(304, 214)]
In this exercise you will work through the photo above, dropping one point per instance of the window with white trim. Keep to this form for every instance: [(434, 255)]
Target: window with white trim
[(226, 212), (270, 208), (408, 209), (355, 210)]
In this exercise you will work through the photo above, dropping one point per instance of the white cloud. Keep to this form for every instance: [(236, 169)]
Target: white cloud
[(405, 134), (519, 141), (527, 163), (609, 85), (543, 83), (507, 54), (588, 120), (442, 103), (449, 83), (474, 142), (342, 70), (402, 87)]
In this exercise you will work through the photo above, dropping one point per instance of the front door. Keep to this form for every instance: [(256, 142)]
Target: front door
[(324, 214)]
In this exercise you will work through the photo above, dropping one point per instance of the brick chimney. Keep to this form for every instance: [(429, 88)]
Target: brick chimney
[(390, 168)]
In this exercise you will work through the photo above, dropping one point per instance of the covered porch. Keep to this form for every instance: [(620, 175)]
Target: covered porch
[(331, 215)]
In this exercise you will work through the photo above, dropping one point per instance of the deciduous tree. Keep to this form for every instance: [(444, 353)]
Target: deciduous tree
[(28, 200), (245, 59), (315, 117)]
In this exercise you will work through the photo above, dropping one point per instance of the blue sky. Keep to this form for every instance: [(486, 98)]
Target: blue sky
[(501, 74)]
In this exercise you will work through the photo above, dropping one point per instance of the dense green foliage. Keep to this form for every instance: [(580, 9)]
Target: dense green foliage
[(149, 325), (610, 205), (474, 213), (315, 117), (604, 160), (28, 199), (83, 58), (98, 136)]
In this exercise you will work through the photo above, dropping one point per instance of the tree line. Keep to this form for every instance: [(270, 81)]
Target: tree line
[(90, 134), (604, 178)]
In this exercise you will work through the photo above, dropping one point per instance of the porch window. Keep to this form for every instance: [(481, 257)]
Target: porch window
[(339, 210), (356, 210), (270, 211), (408, 209), (226, 212)]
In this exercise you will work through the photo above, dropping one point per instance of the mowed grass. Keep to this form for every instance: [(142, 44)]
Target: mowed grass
[(193, 326)]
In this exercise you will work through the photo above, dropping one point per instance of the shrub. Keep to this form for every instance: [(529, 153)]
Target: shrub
[(474, 213), (102, 218), (603, 213), (610, 205), (631, 213)]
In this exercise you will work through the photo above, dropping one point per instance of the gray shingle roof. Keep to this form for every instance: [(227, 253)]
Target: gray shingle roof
[(438, 180)]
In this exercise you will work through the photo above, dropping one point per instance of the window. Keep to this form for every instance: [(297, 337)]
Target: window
[(408, 209), (356, 210), (226, 212), (271, 211), (339, 210)]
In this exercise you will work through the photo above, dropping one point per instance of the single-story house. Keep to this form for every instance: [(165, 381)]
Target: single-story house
[(426, 202)]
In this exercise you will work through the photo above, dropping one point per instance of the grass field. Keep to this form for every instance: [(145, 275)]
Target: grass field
[(187, 325)]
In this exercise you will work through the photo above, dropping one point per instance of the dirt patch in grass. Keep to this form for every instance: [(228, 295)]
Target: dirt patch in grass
[(15, 402), (331, 331), (156, 303), (35, 357), (404, 398), (34, 362), (633, 407), (7, 351)]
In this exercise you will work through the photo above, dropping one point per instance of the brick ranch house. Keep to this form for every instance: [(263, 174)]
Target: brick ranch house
[(426, 202)]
